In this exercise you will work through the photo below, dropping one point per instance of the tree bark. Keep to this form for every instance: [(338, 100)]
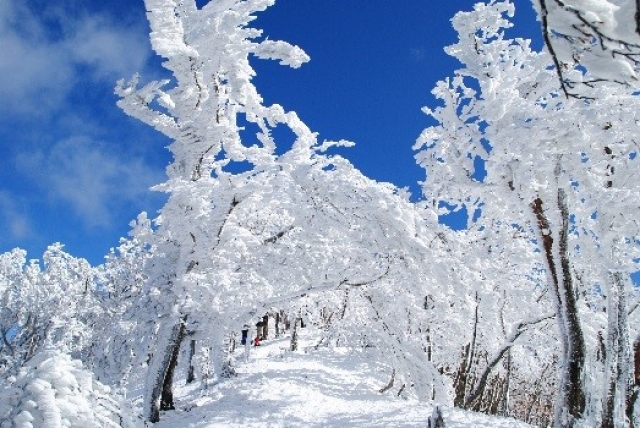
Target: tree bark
[(571, 401), (191, 373), (265, 327), (461, 399), (504, 408), (461, 379), (159, 369), (294, 334), (166, 401), (616, 371), (632, 396)]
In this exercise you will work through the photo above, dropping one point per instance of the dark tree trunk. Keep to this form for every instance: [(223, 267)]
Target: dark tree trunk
[(632, 396), (265, 327), (191, 373), (287, 322), (504, 408), (618, 354), (571, 392), (460, 383), (232, 343), (601, 352), (478, 390), (166, 401), (294, 334), (161, 367), (276, 322)]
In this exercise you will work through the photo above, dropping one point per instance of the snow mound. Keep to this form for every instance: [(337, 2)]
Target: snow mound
[(54, 391)]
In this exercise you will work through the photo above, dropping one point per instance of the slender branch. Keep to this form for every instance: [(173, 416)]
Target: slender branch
[(277, 236), (518, 329), (389, 385), (547, 41), (344, 284)]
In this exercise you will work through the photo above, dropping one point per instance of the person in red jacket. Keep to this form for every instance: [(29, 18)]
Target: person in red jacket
[(256, 341)]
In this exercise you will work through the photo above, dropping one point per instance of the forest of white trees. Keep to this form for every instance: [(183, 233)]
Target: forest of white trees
[(529, 312)]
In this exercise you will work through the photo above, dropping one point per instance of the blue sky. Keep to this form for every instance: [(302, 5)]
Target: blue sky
[(77, 170)]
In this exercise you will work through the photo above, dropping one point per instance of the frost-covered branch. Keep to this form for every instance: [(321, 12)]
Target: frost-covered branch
[(602, 36), (516, 331)]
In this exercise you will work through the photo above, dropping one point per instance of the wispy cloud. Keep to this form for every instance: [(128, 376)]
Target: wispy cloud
[(43, 53), (92, 178), (15, 222), (52, 58)]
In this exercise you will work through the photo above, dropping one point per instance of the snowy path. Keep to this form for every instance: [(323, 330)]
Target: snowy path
[(325, 388)]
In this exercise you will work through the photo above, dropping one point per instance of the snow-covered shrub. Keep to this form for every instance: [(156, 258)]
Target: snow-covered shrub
[(47, 304), (54, 391)]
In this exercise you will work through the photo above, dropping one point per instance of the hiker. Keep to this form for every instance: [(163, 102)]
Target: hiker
[(265, 327), (245, 334), (260, 329)]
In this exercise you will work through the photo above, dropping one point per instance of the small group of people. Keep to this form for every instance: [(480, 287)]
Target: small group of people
[(262, 332), (280, 320)]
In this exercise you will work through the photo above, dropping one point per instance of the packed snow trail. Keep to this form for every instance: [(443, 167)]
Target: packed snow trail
[(328, 387)]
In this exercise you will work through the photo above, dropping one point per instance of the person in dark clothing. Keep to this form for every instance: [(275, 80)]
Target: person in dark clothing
[(260, 329), (245, 334)]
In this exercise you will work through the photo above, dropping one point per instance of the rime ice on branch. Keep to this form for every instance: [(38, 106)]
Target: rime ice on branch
[(601, 35)]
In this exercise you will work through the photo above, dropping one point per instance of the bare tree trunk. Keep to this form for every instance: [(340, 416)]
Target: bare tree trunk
[(287, 321), (265, 327), (616, 367), (632, 396), (474, 338), (571, 401), (191, 373), (480, 386), (232, 342), (462, 380), (276, 322), (160, 368), (294, 334), (166, 401), (504, 405)]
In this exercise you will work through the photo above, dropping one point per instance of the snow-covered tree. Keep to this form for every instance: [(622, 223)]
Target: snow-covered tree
[(505, 110), (207, 50), (126, 325), (229, 243)]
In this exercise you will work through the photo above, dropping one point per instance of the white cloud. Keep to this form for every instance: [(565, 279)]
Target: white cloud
[(95, 181), (111, 53), (45, 56), (16, 226)]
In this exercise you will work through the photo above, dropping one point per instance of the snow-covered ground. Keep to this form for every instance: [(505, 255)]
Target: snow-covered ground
[(329, 388)]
